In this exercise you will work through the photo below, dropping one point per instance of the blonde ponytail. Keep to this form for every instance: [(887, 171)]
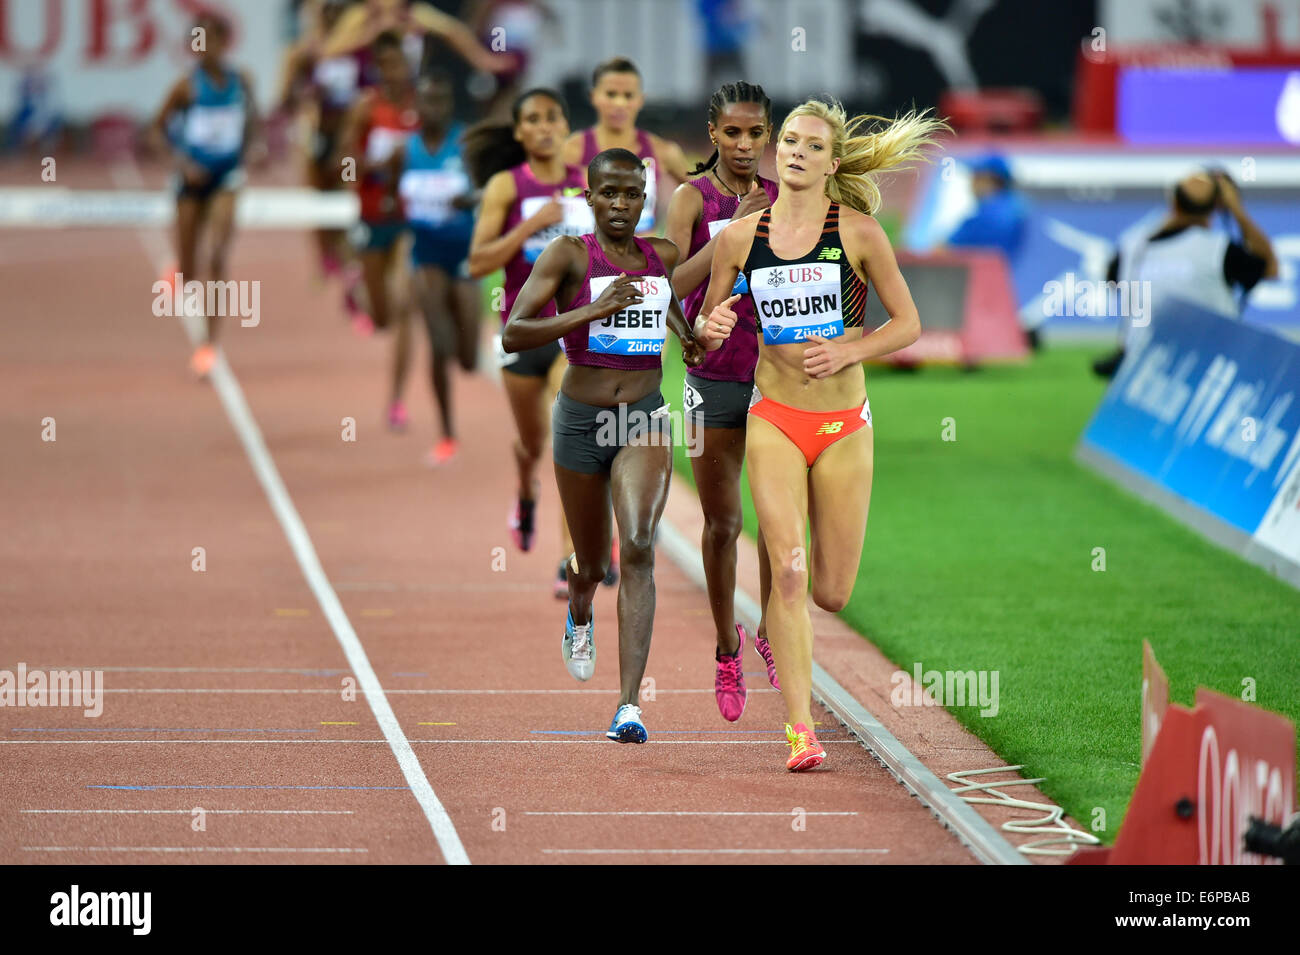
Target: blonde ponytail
[(883, 144)]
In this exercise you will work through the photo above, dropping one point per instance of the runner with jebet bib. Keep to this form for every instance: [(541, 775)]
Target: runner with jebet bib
[(806, 262), (613, 437)]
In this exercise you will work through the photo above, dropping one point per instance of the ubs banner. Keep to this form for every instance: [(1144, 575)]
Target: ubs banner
[(121, 56), (1203, 419)]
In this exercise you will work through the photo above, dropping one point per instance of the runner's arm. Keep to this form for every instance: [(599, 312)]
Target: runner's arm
[(489, 248), (728, 256), (671, 158), (558, 260), (684, 211), (876, 258), (668, 254), (459, 37)]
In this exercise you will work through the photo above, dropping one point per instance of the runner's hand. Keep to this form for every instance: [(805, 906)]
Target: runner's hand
[(548, 215), (619, 294), (824, 358), (720, 323), (693, 353), (754, 200)]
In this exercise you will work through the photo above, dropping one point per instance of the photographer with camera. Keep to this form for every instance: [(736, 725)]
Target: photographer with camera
[(1188, 260)]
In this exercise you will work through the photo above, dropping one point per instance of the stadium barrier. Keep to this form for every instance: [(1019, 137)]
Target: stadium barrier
[(1210, 770), (967, 306), (1202, 420), (57, 207)]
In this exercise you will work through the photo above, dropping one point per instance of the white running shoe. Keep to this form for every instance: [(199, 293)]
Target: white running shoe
[(579, 648)]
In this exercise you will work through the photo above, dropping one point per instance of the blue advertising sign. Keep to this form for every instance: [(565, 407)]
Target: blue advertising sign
[(1206, 410)]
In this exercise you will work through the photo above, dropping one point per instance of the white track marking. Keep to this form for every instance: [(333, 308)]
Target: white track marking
[(724, 852), (334, 691), (241, 418), (639, 812), (435, 742), (210, 812), (265, 849)]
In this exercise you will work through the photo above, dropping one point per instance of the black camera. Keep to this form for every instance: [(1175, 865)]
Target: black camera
[(1265, 839)]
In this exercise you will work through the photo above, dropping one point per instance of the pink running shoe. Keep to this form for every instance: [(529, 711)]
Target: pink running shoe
[(729, 680), (765, 651), (397, 416), (442, 452), (521, 524)]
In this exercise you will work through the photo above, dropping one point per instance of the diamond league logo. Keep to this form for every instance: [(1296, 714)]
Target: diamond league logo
[(775, 330), (607, 340)]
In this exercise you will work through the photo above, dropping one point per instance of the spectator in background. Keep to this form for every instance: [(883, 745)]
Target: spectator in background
[(1000, 216), (37, 122), (727, 25), (1186, 260)]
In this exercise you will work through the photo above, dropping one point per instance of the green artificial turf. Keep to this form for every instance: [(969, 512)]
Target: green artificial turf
[(979, 555)]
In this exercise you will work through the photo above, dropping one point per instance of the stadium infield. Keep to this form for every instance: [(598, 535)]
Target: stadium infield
[(981, 555)]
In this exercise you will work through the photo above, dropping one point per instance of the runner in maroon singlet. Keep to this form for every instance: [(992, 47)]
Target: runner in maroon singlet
[(613, 435), (530, 197), (717, 394), (617, 96)]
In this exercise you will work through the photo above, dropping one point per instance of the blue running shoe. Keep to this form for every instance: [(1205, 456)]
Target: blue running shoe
[(627, 726), (579, 647)]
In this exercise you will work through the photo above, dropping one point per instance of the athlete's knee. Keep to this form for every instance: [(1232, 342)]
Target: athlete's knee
[(636, 551), (589, 573), (721, 532), (831, 597), (789, 574)]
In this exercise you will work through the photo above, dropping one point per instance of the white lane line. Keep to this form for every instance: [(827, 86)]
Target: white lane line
[(391, 692), (241, 418), (639, 812), (268, 849), (211, 812), (307, 671), (434, 742), (724, 852)]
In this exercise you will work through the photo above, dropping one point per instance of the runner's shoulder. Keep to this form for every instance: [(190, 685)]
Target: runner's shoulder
[(667, 251)]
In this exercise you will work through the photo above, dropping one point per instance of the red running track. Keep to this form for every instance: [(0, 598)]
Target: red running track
[(225, 688)]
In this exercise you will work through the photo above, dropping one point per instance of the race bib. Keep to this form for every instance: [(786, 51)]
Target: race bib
[(717, 225), (383, 142), (428, 193), (577, 220), (795, 301), (215, 129), (647, 221), (639, 330)]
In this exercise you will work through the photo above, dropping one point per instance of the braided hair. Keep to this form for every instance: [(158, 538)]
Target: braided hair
[(728, 95)]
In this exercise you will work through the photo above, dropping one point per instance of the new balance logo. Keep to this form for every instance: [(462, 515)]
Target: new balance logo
[(830, 427), (830, 254)]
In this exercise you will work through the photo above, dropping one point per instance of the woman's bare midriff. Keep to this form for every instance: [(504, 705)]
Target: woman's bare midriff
[(780, 376), (606, 387)]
